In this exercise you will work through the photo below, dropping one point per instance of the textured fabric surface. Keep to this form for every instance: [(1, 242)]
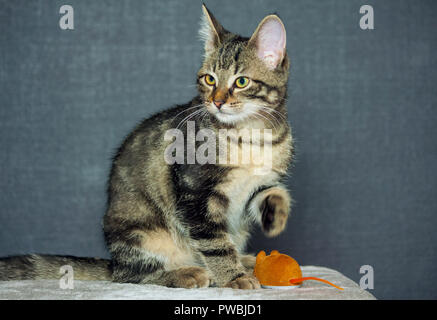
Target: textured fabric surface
[(86, 290), (362, 105)]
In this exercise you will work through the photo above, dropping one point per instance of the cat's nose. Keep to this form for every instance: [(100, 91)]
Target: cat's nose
[(218, 103)]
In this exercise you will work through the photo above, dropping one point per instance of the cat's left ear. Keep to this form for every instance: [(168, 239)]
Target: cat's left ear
[(269, 40), (211, 30)]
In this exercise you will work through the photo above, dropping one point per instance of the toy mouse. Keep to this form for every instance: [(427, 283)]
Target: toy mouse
[(278, 269)]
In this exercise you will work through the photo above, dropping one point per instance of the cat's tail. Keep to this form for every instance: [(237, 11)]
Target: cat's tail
[(35, 267)]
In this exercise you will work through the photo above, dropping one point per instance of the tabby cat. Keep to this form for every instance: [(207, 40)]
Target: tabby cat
[(186, 225)]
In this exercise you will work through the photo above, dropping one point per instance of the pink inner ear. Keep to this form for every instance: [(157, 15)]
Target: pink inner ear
[(271, 42)]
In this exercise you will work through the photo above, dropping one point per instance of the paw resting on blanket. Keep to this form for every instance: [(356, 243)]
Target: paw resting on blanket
[(246, 281)]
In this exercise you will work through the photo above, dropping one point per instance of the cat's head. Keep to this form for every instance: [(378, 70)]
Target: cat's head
[(243, 78)]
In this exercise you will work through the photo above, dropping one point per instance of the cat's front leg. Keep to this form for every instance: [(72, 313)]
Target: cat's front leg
[(210, 236), (272, 208), (223, 260), (248, 261)]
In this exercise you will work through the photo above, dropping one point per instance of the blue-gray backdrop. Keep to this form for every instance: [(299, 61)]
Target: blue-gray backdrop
[(363, 107)]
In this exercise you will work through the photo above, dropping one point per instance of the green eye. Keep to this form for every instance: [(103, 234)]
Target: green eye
[(209, 79), (242, 82)]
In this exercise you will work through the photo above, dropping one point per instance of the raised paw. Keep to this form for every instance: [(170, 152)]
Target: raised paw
[(246, 281), (190, 277), (274, 208)]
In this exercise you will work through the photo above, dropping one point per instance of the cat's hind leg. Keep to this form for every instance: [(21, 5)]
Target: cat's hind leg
[(152, 257)]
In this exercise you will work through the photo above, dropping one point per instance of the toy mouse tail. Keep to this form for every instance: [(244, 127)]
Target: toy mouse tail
[(299, 280)]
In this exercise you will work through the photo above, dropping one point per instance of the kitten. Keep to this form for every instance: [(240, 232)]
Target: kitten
[(182, 224)]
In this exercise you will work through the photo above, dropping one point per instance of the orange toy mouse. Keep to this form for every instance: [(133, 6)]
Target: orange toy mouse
[(278, 269)]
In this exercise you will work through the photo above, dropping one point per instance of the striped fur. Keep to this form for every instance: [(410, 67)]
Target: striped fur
[(186, 225), (201, 215)]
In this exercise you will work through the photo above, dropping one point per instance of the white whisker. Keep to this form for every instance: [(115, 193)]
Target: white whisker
[(275, 112), (278, 121), (187, 118), (267, 120), (193, 107)]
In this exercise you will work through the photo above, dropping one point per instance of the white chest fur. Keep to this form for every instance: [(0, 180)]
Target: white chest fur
[(241, 183)]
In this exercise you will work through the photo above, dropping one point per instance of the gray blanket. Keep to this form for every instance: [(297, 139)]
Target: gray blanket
[(91, 290)]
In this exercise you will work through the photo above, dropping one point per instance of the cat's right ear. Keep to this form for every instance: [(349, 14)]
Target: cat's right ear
[(211, 31)]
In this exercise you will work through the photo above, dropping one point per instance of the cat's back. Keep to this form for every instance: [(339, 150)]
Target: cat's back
[(139, 164), (148, 136)]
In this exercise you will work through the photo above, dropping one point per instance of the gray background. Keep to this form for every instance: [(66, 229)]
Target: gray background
[(362, 106)]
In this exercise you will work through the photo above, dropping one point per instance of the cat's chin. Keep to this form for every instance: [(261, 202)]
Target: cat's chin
[(228, 118)]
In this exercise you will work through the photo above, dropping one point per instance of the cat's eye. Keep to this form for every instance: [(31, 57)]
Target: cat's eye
[(242, 82), (209, 79)]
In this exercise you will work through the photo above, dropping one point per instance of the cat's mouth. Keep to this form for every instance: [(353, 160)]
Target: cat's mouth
[(225, 112), (230, 114), (230, 117)]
